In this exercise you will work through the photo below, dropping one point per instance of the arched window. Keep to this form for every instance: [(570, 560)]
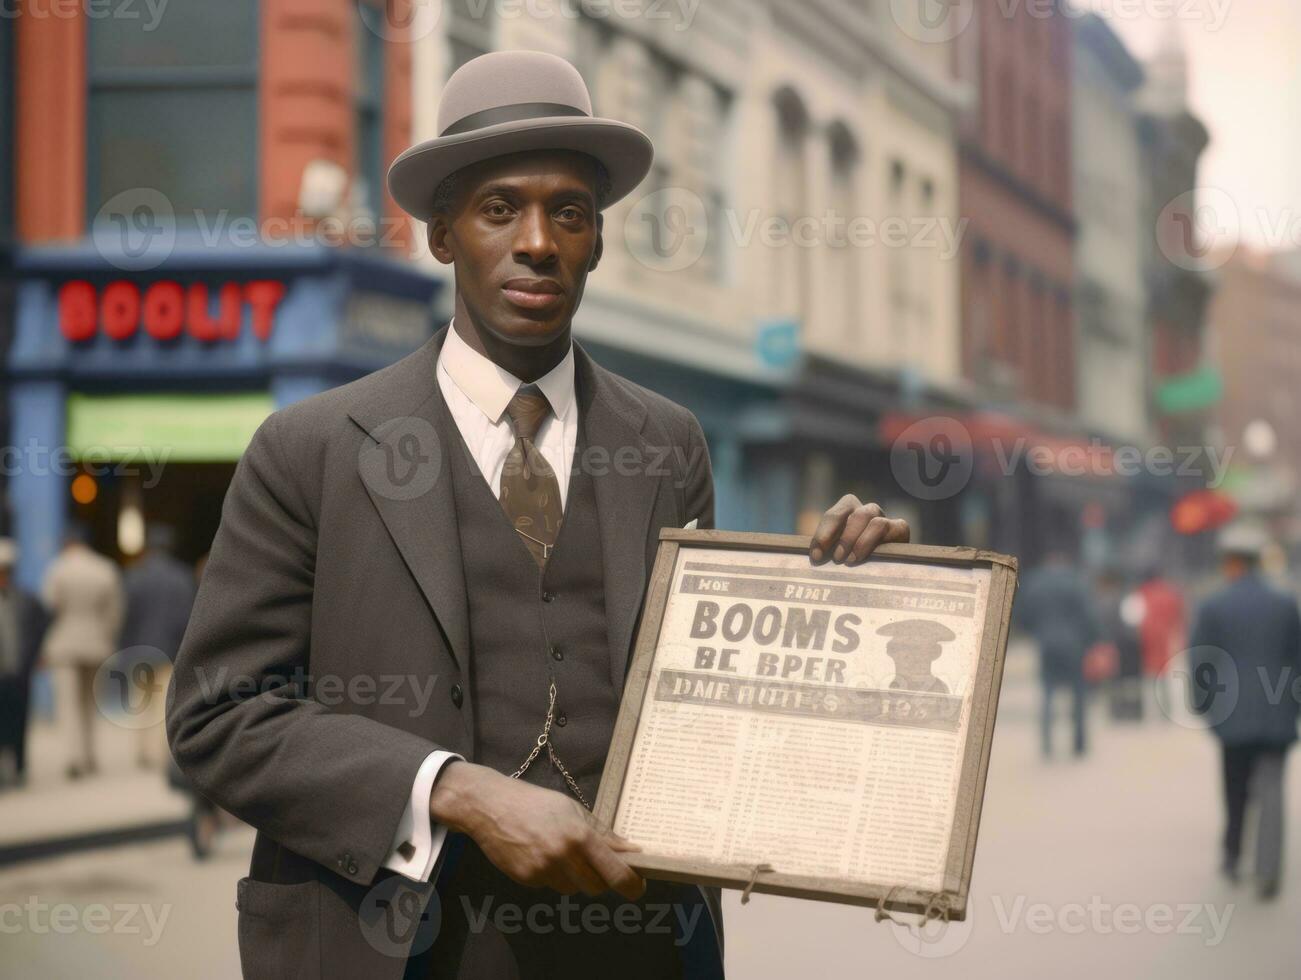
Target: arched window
[(845, 260), (789, 266)]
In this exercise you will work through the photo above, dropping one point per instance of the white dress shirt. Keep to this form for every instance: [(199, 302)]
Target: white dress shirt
[(477, 392)]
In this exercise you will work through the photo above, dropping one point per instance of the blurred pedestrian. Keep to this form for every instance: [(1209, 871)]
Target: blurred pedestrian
[(83, 593), (22, 625), (1162, 629), (159, 596), (1056, 609), (1253, 630), (1119, 626)]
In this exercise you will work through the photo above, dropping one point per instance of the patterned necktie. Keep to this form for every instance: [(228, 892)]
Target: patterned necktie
[(530, 493)]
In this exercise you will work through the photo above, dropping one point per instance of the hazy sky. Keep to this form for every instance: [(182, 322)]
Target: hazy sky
[(1245, 85)]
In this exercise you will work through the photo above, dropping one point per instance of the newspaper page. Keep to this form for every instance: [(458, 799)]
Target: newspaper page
[(812, 718)]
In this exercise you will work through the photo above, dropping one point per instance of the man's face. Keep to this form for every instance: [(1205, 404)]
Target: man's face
[(523, 233)]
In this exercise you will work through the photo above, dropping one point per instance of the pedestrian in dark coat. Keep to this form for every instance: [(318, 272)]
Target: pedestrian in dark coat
[(1056, 609), (1244, 658)]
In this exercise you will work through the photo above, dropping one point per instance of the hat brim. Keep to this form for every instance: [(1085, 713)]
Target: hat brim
[(625, 151)]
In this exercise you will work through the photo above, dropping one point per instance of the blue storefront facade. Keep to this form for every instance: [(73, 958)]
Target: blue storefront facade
[(120, 377)]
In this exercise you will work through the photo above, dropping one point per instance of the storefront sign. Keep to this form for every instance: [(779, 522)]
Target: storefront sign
[(176, 428), (165, 309)]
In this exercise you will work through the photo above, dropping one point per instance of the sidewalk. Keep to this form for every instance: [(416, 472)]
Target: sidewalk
[(52, 814)]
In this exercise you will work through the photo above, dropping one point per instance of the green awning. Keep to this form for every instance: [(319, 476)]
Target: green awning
[(176, 428), (1190, 392)]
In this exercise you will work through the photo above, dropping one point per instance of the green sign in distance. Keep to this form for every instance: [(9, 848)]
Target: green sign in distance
[(206, 428), (1190, 392)]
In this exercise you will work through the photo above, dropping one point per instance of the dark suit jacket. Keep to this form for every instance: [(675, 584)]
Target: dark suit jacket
[(1244, 657), (159, 597), (333, 594)]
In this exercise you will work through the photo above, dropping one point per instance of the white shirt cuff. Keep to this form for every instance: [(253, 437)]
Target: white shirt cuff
[(418, 842)]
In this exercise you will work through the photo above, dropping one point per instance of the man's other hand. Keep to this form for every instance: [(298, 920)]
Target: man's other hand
[(851, 529), (538, 837)]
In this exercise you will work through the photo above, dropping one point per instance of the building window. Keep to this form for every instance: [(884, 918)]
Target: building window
[(368, 169), (789, 278), (898, 267), (175, 109), (844, 256)]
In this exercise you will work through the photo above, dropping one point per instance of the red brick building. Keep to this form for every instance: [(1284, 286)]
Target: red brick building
[(1016, 188), (248, 89)]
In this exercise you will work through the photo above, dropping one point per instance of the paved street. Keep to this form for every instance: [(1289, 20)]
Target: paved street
[(1074, 859)]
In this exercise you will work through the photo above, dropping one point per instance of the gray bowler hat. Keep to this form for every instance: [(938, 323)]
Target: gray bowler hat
[(508, 101)]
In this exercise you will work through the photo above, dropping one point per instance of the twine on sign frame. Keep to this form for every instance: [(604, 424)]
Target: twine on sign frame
[(757, 870), (937, 907)]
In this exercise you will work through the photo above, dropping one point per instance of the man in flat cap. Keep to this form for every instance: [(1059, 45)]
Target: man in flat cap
[(913, 645), (1246, 641), (508, 565)]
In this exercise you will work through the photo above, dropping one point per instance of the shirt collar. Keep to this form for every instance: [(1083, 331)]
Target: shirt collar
[(491, 387)]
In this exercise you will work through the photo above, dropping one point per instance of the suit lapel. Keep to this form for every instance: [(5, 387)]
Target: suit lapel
[(625, 485), (406, 416), (407, 475)]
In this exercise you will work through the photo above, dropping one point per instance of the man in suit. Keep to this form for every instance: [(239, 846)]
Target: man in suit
[(1244, 656), (1056, 609), (480, 516), (82, 590)]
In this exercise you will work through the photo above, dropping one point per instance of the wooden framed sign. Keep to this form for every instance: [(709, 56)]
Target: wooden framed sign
[(820, 731)]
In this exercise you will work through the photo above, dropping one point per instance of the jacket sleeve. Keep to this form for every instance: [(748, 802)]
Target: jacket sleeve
[(699, 497), (242, 725)]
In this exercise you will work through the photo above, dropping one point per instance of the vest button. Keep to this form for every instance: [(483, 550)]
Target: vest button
[(548, 596), (557, 653), (457, 695), (562, 721)]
